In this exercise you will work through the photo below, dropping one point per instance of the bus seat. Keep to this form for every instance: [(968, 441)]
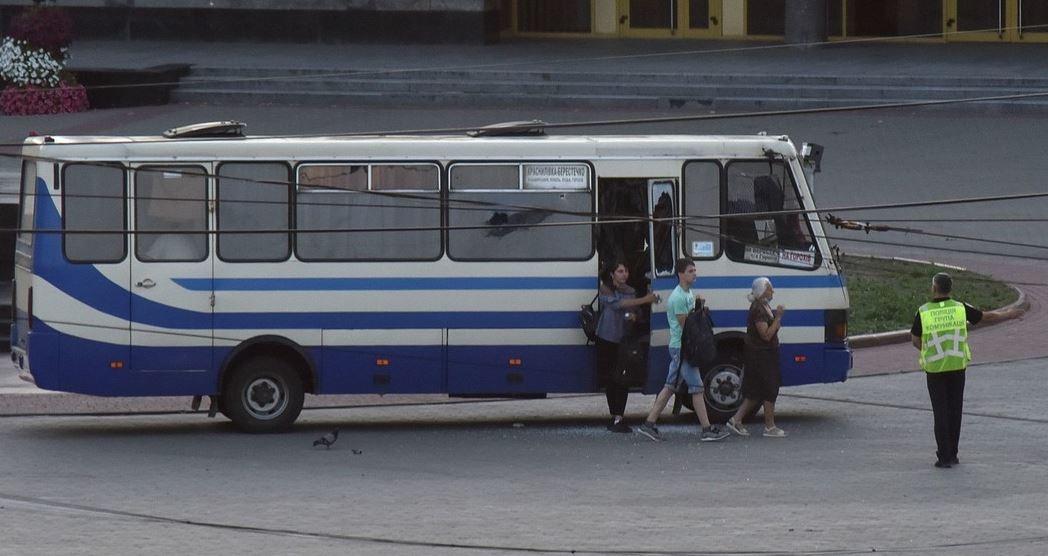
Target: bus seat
[(767, 195), (740, 231), (173, 247)]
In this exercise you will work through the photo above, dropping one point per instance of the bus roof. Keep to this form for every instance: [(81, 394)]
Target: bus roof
[(459, 147)]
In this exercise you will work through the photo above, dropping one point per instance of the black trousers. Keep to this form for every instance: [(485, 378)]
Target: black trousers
[(607, 355), (946, 391)]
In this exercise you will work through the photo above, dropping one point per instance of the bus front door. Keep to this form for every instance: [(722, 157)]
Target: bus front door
[(662, 257), (172, 280), (662, 228)]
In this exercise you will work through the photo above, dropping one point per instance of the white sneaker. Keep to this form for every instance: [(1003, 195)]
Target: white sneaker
[(774, 432)]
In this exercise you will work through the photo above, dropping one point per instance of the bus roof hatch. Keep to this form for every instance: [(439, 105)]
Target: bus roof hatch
[(228, 128), (511, 129)]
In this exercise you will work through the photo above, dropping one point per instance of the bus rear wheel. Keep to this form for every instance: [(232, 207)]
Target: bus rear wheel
[(264, 394)]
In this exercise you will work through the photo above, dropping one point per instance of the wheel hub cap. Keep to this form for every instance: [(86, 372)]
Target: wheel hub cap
[(264, 396), (725, 386)]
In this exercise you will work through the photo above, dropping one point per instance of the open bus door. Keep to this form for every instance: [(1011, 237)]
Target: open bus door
[(662, 256), (662, 228)]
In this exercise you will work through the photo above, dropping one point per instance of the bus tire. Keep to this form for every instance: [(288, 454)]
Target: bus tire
[(264, 394), (723, 385), (722, 388)]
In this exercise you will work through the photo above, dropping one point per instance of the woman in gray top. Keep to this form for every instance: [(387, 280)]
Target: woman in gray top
[(618, 302)]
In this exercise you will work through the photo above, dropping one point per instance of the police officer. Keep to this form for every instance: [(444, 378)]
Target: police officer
[(940, 332)]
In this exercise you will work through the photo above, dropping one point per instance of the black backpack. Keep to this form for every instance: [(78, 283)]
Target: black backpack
[(588, 318), (698, 345)]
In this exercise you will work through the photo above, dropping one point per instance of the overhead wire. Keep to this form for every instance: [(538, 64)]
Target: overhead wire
[(625, 122), (435, 197), (964, 220), (619, 122), (211, 336), (740, 215), (610, 122), (713, 230)]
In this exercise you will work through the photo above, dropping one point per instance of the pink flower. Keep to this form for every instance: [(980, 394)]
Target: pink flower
[(37, 100)]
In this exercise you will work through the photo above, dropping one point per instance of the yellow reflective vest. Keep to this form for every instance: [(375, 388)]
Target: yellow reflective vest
[(944, 336)]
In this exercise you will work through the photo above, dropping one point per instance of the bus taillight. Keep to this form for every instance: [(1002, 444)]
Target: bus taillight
[(836, 326)]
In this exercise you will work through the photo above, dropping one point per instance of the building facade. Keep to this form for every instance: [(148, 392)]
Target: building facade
[(925, 20), (492, 20)]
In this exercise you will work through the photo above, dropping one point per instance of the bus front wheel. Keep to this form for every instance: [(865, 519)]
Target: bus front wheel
[(264, 394), (722, 385)]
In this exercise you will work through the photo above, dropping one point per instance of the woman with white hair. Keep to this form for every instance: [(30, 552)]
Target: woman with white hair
[(762, 377)]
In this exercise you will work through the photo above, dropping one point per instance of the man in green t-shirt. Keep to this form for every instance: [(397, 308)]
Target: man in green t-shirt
[(680, 303)]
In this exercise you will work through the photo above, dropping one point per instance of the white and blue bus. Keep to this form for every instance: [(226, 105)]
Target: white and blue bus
[(254, 270)]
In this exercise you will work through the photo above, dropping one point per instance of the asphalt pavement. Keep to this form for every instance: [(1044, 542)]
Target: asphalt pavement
[(854, 476), (429, 475)]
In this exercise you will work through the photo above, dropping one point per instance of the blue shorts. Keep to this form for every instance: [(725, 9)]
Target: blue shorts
[(680, 367)]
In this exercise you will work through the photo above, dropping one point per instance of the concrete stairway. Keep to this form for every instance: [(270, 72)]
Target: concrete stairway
[(629, 90)]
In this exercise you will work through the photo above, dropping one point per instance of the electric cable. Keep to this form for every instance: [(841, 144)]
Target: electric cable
[(615, 122)]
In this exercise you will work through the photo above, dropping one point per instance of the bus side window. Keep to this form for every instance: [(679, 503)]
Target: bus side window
[(93, 199), (253, 195), (523, 205), (365, 200), (171, 203), (702, 204)]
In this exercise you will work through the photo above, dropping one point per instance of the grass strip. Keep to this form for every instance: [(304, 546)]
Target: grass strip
[(885, 294)]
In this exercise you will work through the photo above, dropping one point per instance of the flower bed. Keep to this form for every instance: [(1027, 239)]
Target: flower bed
[(24, 101), (24, 65), (32, 65)]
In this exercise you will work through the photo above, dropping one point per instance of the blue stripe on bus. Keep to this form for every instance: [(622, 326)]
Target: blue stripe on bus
[(475, 283), (67, 363), (737, 319), (388, 284), (745, 282), (370, 320)]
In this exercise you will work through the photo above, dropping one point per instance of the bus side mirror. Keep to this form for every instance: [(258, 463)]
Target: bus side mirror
[(811, 155)]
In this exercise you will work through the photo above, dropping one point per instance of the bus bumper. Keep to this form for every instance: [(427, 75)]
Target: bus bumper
[(21, 362), (838, 361)]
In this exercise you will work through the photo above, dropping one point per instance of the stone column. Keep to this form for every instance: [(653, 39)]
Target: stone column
[(805, 22)]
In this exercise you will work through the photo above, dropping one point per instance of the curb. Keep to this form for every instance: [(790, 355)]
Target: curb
[(1013, 310)]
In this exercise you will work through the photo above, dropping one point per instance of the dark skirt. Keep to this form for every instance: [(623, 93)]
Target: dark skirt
[(762, 377)]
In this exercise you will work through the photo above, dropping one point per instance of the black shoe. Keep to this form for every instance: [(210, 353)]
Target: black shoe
[(619, 426), (942, 464), (954, 461)]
